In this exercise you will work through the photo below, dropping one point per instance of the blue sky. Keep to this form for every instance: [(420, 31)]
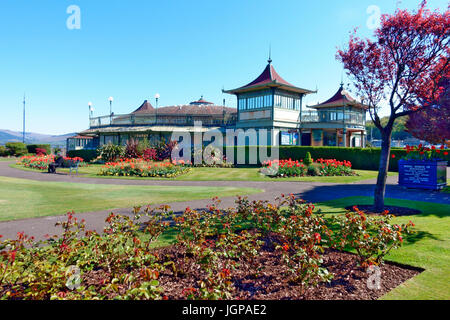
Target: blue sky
[(180, 49)]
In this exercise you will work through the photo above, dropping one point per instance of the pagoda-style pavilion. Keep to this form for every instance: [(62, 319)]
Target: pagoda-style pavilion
[(270, 102), (339, 121), (267, 103)]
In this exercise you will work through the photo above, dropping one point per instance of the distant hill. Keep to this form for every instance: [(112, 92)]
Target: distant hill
[(32, 138), (398, 132)]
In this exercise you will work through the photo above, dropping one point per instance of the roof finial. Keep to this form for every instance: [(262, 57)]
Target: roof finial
[(342, 79), (270, 54)]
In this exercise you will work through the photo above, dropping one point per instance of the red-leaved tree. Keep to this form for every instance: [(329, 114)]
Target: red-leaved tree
[(433, 124), (401, 69)]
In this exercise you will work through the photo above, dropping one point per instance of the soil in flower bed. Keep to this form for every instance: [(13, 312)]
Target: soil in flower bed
[(349, 282), (396, 211), (271, 283)]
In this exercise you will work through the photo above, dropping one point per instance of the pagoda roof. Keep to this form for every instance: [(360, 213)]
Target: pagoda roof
[(269, 78), (192, 109), (201, 101), (146, 107), (340, 99)]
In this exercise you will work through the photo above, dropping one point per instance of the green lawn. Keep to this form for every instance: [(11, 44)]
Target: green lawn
[(21, 198), (429, 248), (228, 174)]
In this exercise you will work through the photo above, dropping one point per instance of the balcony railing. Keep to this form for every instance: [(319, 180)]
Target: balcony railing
[(218, 120), (330, 116), (162, 119)]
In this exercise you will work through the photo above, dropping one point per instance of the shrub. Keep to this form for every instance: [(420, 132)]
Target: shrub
[(32, 148), (3, 151), (372, 237), (164, 150), (142, 146), (87, 154), (312, 171), (308, 160), (16, 148), (150, 154), (41, 152), (110, 152), (131, 149)]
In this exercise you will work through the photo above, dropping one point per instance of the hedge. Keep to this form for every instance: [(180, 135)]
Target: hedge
[(32, 148), (16, 148), (3, 151), (361, 158), (87, 155)]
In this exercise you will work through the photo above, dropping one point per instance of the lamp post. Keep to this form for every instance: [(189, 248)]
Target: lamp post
[(90, 110), (156, 114), (110, 99)]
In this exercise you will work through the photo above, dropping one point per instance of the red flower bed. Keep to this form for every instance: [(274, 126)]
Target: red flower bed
[(296, 168), (41, 162), (423, 153), (142, 168)]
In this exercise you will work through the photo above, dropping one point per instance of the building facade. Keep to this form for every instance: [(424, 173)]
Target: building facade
[(268, 104)]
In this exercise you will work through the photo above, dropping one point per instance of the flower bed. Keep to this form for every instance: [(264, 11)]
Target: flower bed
[(142, 168), (285, 250), (296, 168), (41, 162), (423, 153)]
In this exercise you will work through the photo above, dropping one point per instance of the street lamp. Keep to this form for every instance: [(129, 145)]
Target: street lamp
[(156, 114), (110, 99), (90, 112), (90, 109)]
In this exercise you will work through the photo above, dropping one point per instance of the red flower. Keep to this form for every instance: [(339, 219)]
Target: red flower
[(317, 237), (12, 256), (393, 156)]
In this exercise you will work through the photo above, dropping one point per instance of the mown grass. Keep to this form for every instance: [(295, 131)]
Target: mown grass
[(22, 198), (428, 248)]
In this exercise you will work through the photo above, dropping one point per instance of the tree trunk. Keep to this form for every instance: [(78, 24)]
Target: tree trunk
[(383, 168)]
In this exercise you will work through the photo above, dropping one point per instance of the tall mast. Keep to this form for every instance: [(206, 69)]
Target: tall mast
[(23, 138)]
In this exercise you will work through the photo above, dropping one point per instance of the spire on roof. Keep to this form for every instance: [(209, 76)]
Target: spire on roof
[(269, 78), (270, 54)]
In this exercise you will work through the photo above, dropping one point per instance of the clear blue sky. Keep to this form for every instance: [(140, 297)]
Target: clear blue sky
[(181, 49)]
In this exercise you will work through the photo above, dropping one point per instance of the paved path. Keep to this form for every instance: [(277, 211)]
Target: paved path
[(310, 191)]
